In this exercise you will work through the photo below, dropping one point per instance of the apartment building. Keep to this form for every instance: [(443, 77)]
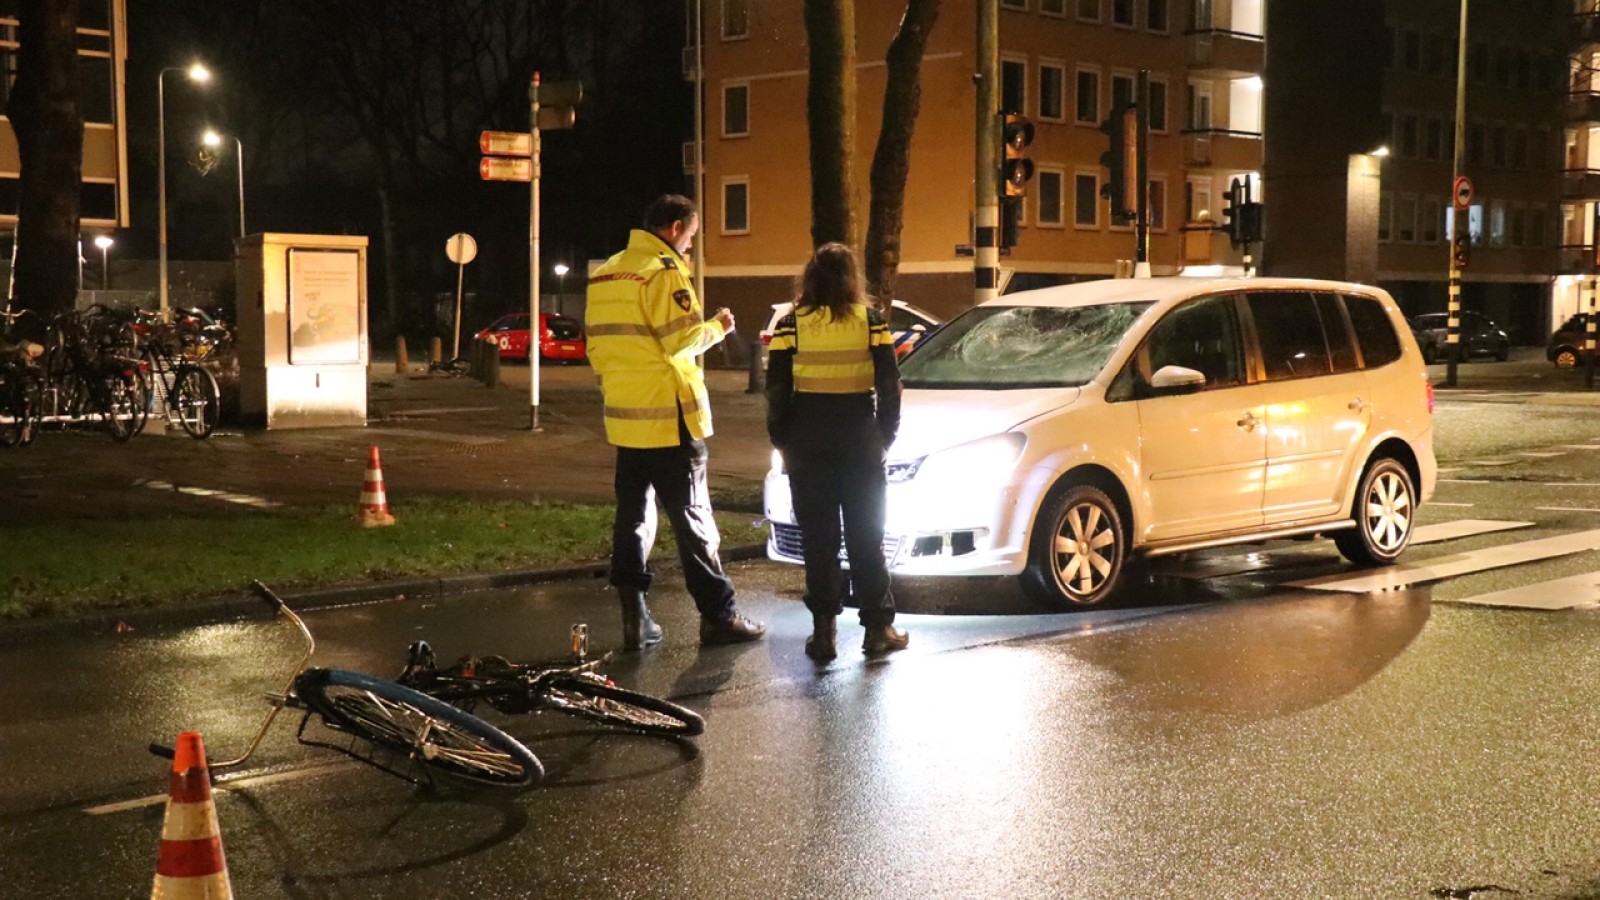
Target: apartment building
[(1361, 112), (1064, 63), (102, 54)]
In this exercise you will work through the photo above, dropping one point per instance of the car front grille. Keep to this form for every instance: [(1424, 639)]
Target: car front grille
[(786, 538)]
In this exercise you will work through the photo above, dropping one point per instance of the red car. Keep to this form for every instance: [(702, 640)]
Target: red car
[(560, 337)]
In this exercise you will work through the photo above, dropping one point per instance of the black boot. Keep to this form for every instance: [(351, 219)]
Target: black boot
[(820, 646), (881, 639), (638, 629)]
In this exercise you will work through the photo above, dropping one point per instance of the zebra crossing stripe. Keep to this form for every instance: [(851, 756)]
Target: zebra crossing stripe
[(1407, 574), (1560, 593)]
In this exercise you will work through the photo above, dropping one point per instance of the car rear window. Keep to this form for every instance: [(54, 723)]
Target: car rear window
[(1374, 332)]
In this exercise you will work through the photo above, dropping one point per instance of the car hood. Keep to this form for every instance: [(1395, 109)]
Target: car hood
[(932, 420)]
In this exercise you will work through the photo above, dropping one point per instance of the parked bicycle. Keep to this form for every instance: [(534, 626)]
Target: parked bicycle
[(180, 389), (433, 730), (92, 373), (21, 385)]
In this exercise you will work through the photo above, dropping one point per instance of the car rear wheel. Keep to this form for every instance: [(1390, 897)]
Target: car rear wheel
[(1565, 358), (1078, 549), (1385, 513)]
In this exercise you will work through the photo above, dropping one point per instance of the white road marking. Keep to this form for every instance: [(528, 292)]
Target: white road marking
[(1560, 593), (1582, 446), (1465, 481), (441, 410), (1306, 554), (1443, 503), (210, 494), (1406, 574), (1567, 508), (223, 787), (1570, 484), (1490, 462), (1541, 454)]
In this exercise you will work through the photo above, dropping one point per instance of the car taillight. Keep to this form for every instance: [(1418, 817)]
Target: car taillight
[(1428, 383)]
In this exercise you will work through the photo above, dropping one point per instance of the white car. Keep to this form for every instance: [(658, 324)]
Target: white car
[(907, 324), (1053, 434)]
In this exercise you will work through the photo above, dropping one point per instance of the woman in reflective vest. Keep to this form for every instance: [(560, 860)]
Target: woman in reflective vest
[(833, 407)]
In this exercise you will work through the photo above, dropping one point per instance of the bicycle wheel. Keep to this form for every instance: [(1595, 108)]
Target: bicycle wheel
[(195, 400), (430, 731), (120, 406), (623, 708), (17, 412)]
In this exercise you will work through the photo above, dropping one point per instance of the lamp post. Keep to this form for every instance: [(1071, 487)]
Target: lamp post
[(561, 271), (104, 243), (199, 75), (212, 139)]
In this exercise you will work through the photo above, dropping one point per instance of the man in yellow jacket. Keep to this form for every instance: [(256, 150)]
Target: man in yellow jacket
[(646, 332)]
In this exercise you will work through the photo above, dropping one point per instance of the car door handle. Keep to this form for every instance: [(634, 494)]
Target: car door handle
[(1249, 422), (1357, 405)]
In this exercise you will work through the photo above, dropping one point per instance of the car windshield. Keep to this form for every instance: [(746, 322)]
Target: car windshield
[(1010, 347)]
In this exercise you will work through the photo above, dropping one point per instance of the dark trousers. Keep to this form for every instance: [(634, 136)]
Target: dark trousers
[(678, 476), (836, 473)]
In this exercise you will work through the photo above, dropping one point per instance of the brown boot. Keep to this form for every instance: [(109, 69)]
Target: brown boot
[(883, 639), (735, 629), (820, 645), (638, 629)]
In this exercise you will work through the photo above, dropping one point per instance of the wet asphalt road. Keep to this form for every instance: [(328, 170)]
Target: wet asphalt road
[(1211, 737)]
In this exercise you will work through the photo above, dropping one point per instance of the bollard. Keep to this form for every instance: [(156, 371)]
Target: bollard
[(435, 351), (402, 359), (491, 362)]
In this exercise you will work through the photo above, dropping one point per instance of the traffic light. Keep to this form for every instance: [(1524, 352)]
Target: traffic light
[(557, 102), (1017, 168), (1461, 249), (1241, 215), (1120, 163)]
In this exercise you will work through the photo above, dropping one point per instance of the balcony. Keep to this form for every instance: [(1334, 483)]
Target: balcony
[(1222, 148), (1580, 184), (1226, 54), (1576, 259), (1583, 106)]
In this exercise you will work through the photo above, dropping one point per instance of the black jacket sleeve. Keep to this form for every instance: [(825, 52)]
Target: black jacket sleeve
[(780, 381), (886, 383)]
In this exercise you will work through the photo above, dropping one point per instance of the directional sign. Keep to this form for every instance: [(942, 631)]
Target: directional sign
[(505, 168), (505, 143), (1461, 192)]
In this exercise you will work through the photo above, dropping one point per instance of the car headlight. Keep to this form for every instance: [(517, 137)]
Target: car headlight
[(777, 461), (983, 460)]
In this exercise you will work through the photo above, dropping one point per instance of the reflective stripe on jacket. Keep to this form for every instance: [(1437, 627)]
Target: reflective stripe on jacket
[(646, 329), (812, 353)]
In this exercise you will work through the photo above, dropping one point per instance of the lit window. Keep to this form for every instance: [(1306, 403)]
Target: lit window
[(1497, 223), (1158, 204)]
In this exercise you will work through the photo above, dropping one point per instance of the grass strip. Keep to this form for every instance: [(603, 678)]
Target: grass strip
[(76, 567)]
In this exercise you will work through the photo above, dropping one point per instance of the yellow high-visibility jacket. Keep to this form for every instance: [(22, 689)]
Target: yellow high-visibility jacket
[(645, 330)]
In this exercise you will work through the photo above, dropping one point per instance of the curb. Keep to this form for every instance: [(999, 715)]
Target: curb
[(244, 605)]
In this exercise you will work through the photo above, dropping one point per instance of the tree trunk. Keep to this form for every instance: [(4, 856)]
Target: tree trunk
[(891, 162), (831, 117), (49, 125)]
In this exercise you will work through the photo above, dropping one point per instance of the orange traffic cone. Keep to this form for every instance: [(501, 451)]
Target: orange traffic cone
[(373, 510), (191, 866)]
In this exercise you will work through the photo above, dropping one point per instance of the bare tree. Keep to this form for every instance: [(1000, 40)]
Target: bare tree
[(831, 119), (49, 124), (891, 162)]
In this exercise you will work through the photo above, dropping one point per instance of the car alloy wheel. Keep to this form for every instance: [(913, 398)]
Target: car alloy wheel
[(1566, 358), (1385, 512), (1078, 549)]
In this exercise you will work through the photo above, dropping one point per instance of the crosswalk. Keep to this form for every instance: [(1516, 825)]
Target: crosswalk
[(1279, 566)]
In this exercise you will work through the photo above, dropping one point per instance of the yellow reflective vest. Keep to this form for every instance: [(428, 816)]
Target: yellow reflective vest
[(645, 330), (832, 356)]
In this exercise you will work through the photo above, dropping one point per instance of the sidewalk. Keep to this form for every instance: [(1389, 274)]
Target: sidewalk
[(438, 435)]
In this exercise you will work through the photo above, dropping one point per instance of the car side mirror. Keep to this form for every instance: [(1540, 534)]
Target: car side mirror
[(1176, 380)]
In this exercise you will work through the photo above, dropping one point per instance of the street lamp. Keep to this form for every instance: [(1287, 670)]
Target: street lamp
[(212, 139), (104, 243), (199, 75), (561, 271)]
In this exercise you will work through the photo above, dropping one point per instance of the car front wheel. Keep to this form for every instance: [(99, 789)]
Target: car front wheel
[(1566, 358), (1385, 513), (1077, 550)]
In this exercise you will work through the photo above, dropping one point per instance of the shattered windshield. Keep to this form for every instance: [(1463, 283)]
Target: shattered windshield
[(999, 347)]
